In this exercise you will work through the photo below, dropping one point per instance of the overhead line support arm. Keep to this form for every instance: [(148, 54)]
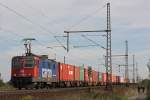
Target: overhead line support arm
[(87, 31)]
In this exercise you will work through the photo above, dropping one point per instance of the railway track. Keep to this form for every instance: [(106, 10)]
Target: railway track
[(52, 93), (49, 90), (59, 89), (42, 93)]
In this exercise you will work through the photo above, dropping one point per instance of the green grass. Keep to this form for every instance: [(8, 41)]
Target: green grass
[(83, 96), (5, 86), (28, 97), (97, 96)]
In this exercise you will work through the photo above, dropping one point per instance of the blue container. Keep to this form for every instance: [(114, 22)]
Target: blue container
[(54, 67), (45, 72)]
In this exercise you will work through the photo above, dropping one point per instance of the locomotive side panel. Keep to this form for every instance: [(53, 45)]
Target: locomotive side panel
[(45, 71)]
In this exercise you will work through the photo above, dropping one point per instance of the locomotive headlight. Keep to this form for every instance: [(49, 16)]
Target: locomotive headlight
[(22, 71), (29, 74)]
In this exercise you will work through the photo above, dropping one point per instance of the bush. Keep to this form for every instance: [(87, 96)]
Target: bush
[(28, 97), (146, 83), (5, 86), (148, 93), (2, 83)]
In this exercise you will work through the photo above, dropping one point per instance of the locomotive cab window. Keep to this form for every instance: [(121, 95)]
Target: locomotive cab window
[(29, 62), (17, 62)]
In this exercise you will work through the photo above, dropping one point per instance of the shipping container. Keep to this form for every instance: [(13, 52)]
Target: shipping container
[(70, 73), (122, 80), (118, 79), (55, 72), (90, 73), (66, 72), (94, 76), (99, 76), (61, 72), (82, 73), (104, 77), (113, 78), (86, 77), (77, 73)]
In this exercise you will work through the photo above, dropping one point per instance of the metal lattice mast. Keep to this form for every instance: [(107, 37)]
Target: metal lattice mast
[(133, 68), (108, 46), (137, 72), (126, 62), (108, 50)]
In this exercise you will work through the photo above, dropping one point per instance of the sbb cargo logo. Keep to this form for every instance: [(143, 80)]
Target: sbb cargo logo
[(46, 73), (70, 72)]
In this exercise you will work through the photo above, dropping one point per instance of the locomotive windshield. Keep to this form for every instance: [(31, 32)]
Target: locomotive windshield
[(29, 62), (17, 62)]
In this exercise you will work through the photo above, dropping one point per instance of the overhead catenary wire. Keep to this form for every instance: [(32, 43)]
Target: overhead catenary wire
[(25, 18), (86, 17), (22, 36), (33, 8), (10, 31), (60, 43), (38, 11), (9, 38), (93, 41)]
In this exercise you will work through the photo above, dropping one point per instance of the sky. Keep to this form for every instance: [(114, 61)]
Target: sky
[(45, 19)]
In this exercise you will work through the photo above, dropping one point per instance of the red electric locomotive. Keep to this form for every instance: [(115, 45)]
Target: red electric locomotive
[(24, 70)]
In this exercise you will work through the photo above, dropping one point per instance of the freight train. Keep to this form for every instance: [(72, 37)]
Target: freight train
[(32, 71)]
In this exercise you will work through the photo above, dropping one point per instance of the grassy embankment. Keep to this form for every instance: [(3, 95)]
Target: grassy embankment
[(118, 94), (85, 96), (5, 86), (94, 95)]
